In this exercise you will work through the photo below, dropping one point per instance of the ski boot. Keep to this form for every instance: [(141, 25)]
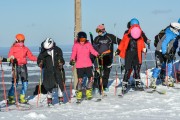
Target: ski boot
[(11, 100), (89, 94), (79, 96), (22, 99), (170, 82), (49, 102), (106, 90), (61, 100), (138, 85), (153, 83), (124, 87)]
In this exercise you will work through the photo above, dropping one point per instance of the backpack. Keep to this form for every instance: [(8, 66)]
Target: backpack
[(159, 37)]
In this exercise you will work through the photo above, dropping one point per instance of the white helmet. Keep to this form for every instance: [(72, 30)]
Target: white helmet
[(48, 43), (175, 28)]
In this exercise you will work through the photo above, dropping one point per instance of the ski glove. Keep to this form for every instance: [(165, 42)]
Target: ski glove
[(167, 56), (10, 59), (144, 50), (117, 52), (40, 64), (72, 62)]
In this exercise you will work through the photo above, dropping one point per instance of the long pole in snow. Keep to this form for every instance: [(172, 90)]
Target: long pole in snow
[(4, 87), (115, 90)]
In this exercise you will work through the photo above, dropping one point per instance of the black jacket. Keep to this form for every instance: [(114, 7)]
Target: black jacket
[(107, 41), (52, 75)]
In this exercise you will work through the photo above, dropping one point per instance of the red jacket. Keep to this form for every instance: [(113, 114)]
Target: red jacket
[(124, 44), (21, 52)]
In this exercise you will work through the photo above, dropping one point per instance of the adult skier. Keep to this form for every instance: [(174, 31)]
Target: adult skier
[(20, 53), (81, 55), (102, 43), (130, 49), (51, 61), (146, 40), (164, 54)]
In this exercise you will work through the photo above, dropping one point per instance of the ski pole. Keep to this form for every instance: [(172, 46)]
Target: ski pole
[(115, 87), (4, 87), (119, 59), (71, 84), (166, 79), (175, 72), (101, 81), (15, 82), (39, 87), (146, 71)]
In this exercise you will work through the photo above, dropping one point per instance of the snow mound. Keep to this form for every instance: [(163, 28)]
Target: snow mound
[(35, 115)]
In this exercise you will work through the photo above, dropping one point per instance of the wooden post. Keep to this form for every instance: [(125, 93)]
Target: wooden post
[(77, 10), (77, 28)]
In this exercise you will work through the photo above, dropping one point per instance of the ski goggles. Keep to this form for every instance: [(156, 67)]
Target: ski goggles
[(82, 39)]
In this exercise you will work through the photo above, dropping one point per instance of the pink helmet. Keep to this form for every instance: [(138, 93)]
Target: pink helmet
[(101, 27), (136, 32)]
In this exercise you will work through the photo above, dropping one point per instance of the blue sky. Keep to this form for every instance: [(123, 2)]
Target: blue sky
[(38, 19)]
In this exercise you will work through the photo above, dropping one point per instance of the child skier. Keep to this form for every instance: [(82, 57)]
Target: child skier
[(131, 48), (51, 61), (102, 43), (164, 54), (81, 55), (21, 53)]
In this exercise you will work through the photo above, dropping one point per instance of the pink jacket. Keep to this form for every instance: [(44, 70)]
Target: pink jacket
[(20, 52), (81, 54)]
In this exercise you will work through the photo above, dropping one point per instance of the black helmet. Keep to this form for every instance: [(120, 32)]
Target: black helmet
[(81, 35)]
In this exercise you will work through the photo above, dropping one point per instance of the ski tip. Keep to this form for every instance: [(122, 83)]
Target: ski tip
[(120, 95), (98, 100)]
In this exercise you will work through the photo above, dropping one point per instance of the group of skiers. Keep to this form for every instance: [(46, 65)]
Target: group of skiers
[(94, 61)]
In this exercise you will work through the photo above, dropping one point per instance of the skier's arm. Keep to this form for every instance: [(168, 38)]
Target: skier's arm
[(93, 51), (31, 56), (74, 52), (165, 44), (114, 39)]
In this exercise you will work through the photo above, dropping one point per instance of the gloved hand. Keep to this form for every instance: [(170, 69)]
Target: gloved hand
[(144, 50), (60, 65), (40, 64), (10, 59), (148, 43), (167, 56), (72, 62), (100, 56), (179, 53), (117, 52)]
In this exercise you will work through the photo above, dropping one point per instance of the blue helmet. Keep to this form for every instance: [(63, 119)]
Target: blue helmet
[(179, 20), (134, 21)]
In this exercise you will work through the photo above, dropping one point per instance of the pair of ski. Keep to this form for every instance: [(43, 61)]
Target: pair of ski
[(96, 99), (149, 90), (20, 107)]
